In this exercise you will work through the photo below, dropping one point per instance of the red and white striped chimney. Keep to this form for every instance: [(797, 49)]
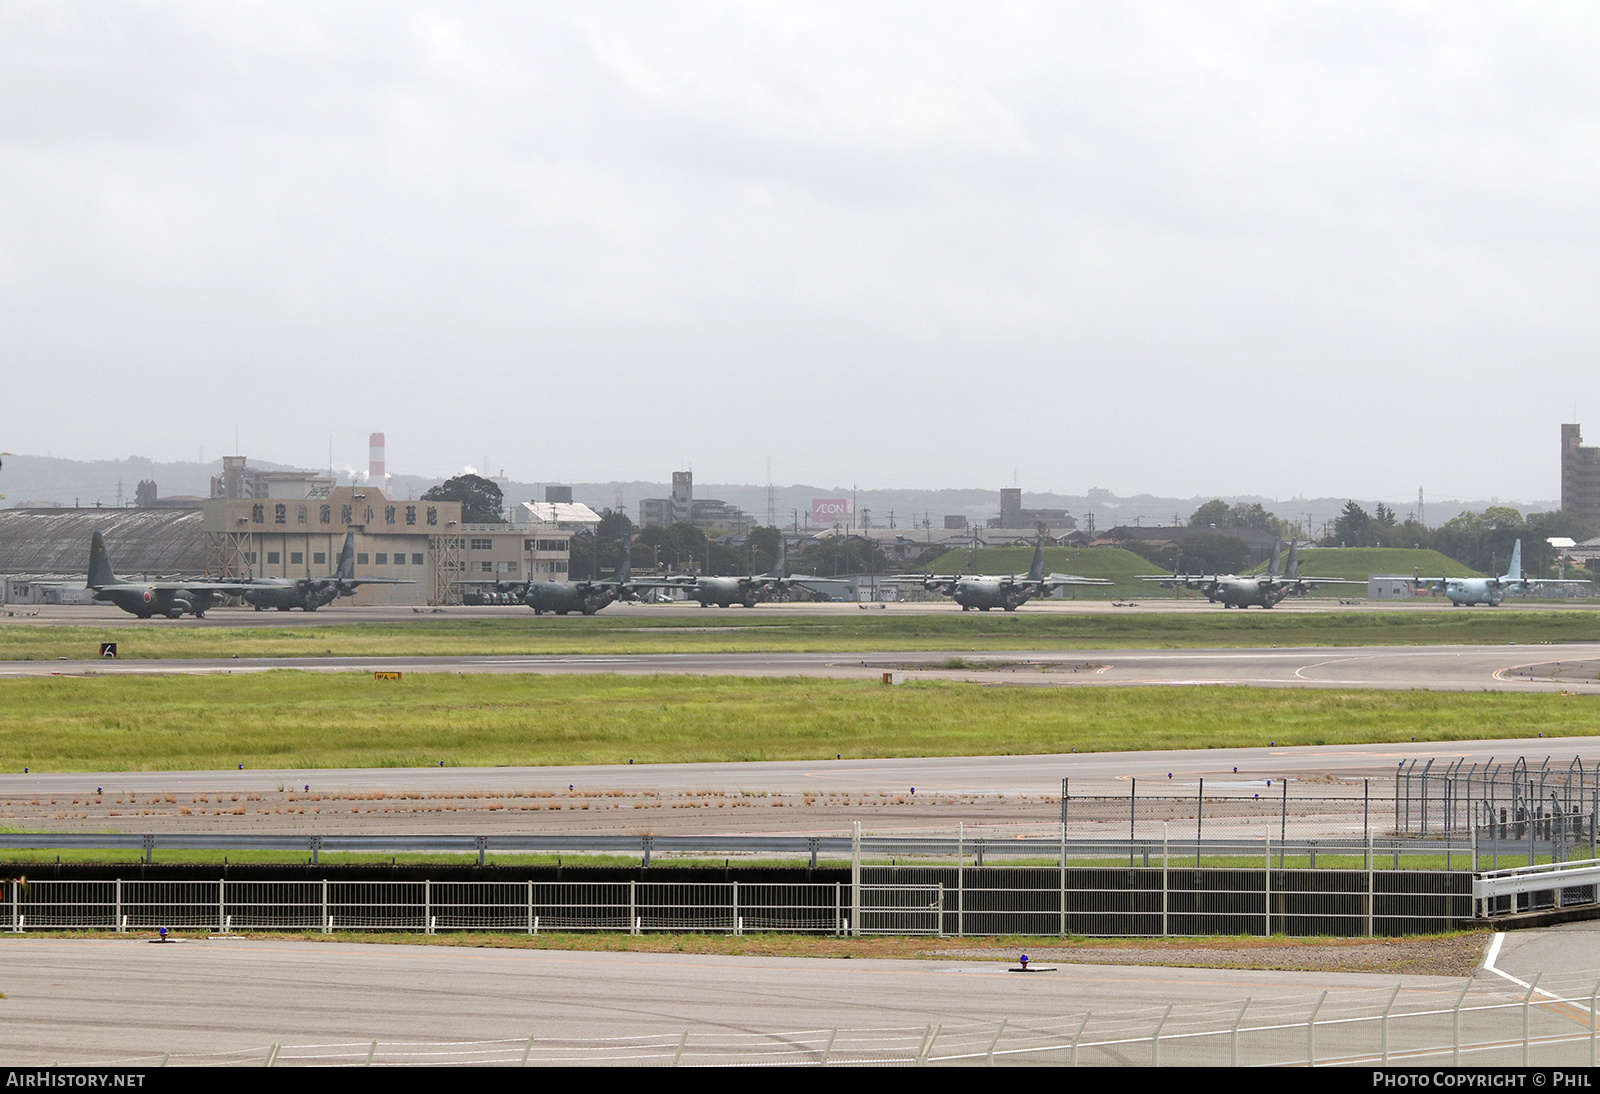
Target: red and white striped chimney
[(375, 472)]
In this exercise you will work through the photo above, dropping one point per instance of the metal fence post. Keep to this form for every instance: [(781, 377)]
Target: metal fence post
[(427, 907), (1163, 879), (961, 880), (989, 1061), (1266, 883), (1155, 1038), (1133, 794), (530, 907), (738, 924), (1199, 820), (222, 903), (633, 909), (1385, 1025), (1592, 996), (827, 1049), (1455, 1037), (121, 926), (1063, 930), (1311, 1031), (1233, 1034), (1527, 1001), (1369, 900), (855, 879), (327, 925), (1078, 1034)]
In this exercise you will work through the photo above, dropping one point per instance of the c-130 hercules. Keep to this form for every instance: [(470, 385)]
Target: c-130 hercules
[(1007, 591), (748, 590), (311, 593), (1243, 590), (564, 597), (173, 599)]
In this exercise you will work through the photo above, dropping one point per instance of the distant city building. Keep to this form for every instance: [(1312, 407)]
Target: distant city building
[(708, 514), (1580, 476), (1013, 515), (239, 480), (569, 515), (957, 521)]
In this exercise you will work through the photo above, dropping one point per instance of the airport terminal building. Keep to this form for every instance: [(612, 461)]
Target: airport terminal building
[(278, 528)]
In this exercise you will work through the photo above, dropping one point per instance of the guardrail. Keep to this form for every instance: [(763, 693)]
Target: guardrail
[(1561, 884)]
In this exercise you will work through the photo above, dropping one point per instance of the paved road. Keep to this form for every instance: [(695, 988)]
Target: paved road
[(1093, 773), (80, 1001), (1555, 667)]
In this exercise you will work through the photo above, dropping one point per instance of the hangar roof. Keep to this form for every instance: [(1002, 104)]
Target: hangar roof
[(141, 541)]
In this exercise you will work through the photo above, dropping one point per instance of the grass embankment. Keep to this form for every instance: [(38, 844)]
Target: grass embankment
[(676, 631), (316, 720)]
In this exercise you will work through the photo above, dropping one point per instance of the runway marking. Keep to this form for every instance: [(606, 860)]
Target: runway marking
[(1319, 664), (1493, 954)]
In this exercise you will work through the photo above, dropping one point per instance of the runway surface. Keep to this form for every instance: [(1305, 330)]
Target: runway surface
[(1556, 667), (1224, 769), (102, 1001)]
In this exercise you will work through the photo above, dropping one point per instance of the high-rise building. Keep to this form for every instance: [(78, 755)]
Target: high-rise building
[(1580, 476)]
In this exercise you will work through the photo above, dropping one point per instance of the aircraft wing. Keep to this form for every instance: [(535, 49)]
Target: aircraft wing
[(1054, 580), (233, 587), (679, 581), (1554, 581), (828, 586)]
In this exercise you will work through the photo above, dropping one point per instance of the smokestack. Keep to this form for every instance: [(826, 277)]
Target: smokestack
[(375, 473)]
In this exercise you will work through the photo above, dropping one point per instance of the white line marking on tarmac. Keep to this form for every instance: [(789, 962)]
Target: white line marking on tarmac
[(1489, 965)]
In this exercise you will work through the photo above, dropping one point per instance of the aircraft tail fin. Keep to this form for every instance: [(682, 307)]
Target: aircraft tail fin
[(1277, 556), (1515, 573), (1036, 571), (1293, 571), (347, 557), (100, 572), (781, 559), (625, 561)]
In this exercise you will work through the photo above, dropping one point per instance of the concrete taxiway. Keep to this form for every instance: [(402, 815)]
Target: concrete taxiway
[(228, 1001), (1555, 667)]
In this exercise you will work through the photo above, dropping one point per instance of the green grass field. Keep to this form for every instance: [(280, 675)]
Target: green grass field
[(318, 720), (676, 631)]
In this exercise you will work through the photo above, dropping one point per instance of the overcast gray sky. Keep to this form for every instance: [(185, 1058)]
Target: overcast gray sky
[(1338, 248)]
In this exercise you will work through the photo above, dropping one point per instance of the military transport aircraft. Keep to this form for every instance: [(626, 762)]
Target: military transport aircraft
[(587, 597), (1243, 590), (1467, 591), (311, 593), (173, 599), (750, 590), (1006, 591), (560, 597)]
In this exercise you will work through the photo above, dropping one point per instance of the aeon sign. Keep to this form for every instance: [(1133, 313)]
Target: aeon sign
[(826, 512)]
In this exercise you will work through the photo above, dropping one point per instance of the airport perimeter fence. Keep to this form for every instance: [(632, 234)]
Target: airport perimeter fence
[(941, 901), (1551, 801), (1426, 798), (1479, 1025)]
